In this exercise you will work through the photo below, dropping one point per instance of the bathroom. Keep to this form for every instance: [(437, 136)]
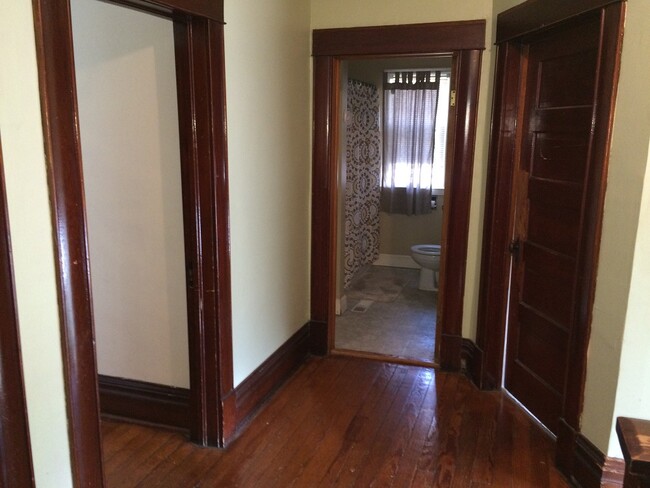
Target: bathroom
[(385, 301)]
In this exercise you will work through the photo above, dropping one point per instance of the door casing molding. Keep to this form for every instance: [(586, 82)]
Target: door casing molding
[(465, 41), (198, 36)]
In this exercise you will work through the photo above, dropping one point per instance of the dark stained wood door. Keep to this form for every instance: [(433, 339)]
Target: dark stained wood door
[(551, 184)]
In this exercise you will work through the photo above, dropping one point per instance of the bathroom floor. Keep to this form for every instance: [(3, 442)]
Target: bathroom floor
[(387, 314)]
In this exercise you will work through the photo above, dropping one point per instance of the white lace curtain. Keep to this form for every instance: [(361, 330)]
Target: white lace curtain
[(410, 108)]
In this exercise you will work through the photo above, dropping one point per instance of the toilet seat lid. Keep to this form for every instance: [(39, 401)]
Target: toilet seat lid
[(432, 249)]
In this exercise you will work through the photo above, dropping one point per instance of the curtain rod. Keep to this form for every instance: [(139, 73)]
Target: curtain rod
[(414, 70)]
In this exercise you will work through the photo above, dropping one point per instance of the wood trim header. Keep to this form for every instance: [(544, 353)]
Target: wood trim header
[(534, 15), (388, 40), (210, 9)]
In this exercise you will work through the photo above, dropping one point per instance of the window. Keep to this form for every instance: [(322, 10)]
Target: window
[(415, 132)]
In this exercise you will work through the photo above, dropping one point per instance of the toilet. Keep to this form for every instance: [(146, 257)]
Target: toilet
[(428, 257)]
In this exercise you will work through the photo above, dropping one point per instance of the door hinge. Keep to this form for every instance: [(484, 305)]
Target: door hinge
[(452, 98)]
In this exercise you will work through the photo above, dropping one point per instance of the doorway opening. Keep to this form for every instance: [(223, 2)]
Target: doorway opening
[(128, 119), (392, 158), (199, 59), (464, 42)]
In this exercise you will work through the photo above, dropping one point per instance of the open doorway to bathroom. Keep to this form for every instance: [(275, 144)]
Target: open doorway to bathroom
[(391, 159)]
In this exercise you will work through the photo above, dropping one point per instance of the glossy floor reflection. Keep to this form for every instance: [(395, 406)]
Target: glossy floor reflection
[(388, 315), (347, 422)]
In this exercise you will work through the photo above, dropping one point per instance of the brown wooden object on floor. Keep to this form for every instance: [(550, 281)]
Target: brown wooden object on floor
[(352, 422), (634, 436)]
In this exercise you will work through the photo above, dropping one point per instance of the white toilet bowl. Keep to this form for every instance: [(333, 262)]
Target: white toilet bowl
[(428, 257)]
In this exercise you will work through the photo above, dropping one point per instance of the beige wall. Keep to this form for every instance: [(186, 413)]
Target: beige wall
[(269, 129), (126, 84), (633, 389), (344, 13), (399, 232), (33, 251), (618, 372)]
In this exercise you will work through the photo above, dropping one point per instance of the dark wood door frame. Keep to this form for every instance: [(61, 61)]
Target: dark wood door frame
[(512, 28), (465, 41), (16, 459), (198, 35)]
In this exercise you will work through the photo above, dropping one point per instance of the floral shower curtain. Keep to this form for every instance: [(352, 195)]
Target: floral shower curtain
[(363, 172)]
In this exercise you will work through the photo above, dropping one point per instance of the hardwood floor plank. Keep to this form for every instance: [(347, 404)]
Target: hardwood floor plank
[(432, 454), (426, 417), (155, 458), (276, 425), (361, 427), (343, 422), (396, 431), (325, 434), (483, 465), (121, 459), (370, 426)]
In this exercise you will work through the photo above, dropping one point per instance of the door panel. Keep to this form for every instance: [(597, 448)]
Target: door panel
[(558, 157), (550, 212)]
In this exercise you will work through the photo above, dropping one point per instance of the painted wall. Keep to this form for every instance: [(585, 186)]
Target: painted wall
[(126, 84), (33, 251), (269, 129), (633, 389), (346, 13), (399, 232), (618, 375)]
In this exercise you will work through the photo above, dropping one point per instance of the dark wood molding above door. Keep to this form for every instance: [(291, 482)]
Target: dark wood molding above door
[(515, 30), (533, 16), (201, 97), (393, 40), (207, 9), (465, 41), (16, 459)]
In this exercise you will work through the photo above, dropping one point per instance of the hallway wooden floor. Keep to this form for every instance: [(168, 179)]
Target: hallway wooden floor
[(349, 422)]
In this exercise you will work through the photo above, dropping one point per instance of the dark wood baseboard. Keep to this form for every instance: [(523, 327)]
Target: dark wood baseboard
[(258, 387), (583, 463), (318, 343), (168, 406), (450, 352), (591, 468), (142, 402), (471, 362)]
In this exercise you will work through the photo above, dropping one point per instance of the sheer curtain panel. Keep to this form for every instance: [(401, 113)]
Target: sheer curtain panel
[(410, 107)]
